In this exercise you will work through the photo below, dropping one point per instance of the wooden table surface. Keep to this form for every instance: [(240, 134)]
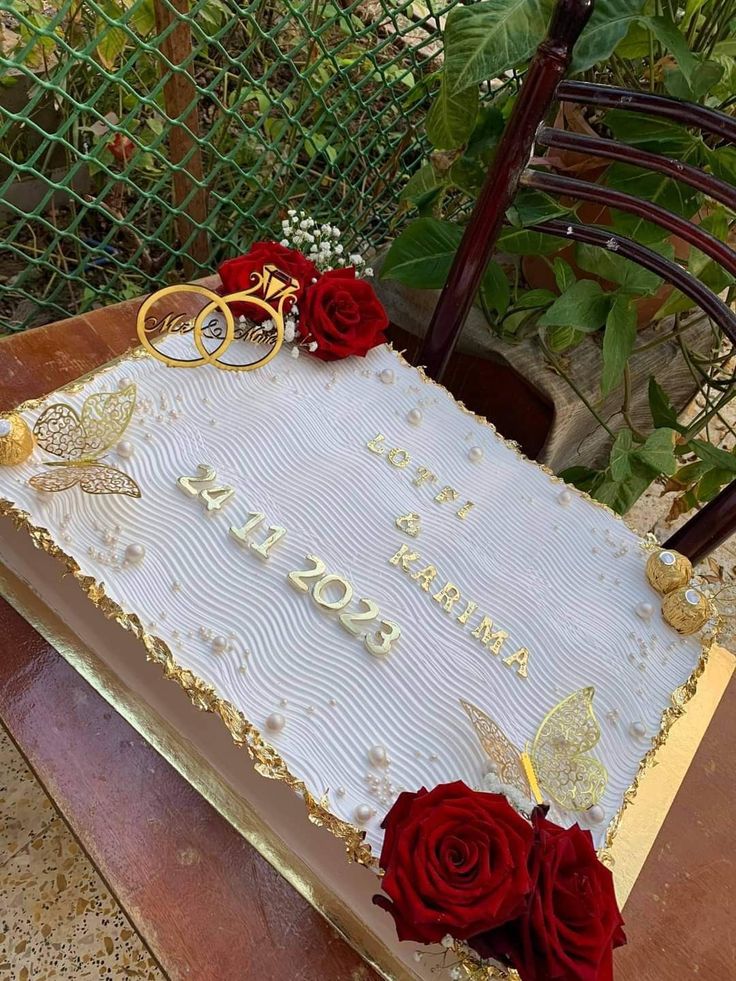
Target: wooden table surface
[(208, 906)]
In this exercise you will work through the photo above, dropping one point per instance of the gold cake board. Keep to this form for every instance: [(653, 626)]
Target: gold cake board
[(640, 823)]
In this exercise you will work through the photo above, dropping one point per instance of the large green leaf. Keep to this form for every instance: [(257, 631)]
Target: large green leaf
[(620, 459), (722, 162), (523, 241), (713, 455), (563, 337), (531, 207), (422, 254), (618, 342), (707, 270), (672, 40), (658, 452), (663, 411), (488, 128), (425, 181), (608, 264), (622, 495), (650, 133), (583, 306), (486, 39), (564, 275), (112, 40), (452, 116), (657, 188), (495, 290), (610, 23), (632, 468)]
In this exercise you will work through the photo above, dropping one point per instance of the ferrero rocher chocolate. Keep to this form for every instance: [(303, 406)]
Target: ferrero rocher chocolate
[(687, 610), (668, 570), (16, 440)]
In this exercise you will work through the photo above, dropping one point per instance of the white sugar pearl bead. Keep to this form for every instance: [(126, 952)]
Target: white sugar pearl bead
[(125, 448), (363, 813), (475, 454), (378, 755), (596, 814), (645, 611), (638, 730), (491, 767), (386, 376), (565, 498), (5, 427), (135, 553), (219, 645), (275, 722), (414, 417), (125, 383)]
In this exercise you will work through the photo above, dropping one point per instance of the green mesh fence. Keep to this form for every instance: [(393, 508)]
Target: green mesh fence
[(141, 141)]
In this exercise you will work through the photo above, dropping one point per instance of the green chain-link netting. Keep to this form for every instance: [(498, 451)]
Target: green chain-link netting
[(315, 105)]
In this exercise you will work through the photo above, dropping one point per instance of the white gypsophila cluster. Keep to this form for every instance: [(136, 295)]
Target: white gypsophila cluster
[(320, 243), (493, 784)]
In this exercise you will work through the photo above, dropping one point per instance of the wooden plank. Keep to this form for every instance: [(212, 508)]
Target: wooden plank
[(185, 154)]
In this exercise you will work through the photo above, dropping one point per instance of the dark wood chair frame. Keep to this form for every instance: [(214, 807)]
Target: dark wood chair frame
[(543, 85)]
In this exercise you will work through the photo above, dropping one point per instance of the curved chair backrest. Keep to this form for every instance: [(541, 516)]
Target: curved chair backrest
[(543, 85)]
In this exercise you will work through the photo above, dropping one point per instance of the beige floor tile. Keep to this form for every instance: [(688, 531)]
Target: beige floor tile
[(25, 810), (58, 920)]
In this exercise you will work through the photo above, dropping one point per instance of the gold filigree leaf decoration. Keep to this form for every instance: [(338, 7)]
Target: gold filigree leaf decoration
[(81, 439), (557, 760)]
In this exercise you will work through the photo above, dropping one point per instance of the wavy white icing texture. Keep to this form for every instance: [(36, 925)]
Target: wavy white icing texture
[(564, 581)]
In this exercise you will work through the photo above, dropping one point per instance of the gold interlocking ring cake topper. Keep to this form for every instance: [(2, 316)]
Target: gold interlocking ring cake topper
[(270, 291)]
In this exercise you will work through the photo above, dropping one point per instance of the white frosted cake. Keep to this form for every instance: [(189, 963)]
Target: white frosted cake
[(363, 583)]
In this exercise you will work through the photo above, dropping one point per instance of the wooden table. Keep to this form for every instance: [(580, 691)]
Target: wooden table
[(207, 905)]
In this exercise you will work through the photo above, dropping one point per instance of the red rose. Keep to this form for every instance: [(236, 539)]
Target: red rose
[(343, 315), (455, 861), (572, 922), (236, 274)]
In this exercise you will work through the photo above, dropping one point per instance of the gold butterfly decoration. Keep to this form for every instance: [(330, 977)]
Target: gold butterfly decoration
[(82, 439), (556, 762)]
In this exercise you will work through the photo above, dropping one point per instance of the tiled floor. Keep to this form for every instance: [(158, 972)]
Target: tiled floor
[(57, 919)]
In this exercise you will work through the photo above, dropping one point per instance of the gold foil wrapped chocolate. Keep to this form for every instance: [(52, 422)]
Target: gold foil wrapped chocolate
[(16, 440), (667, 570), (687, 610)]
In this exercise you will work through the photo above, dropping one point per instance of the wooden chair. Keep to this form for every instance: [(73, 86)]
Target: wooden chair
[(543, 85)]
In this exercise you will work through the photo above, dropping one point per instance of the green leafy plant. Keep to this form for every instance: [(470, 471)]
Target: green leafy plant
[(557, 292)]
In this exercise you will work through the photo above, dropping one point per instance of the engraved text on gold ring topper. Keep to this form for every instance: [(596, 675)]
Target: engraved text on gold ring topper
[(270, 291)]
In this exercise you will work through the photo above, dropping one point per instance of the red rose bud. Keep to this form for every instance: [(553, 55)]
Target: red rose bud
[(237, 275), (342, 315), (572, 923), (121, 147), (455, 861)]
